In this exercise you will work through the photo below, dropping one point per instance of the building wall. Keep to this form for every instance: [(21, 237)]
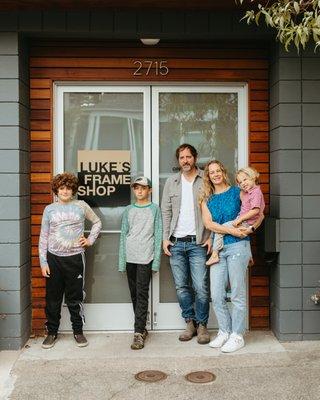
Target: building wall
[(14, 137), (295, 190), (294, 145), (15, 299), (99, 61)]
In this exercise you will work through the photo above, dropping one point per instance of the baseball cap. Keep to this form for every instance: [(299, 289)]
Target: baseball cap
[(141, 180)]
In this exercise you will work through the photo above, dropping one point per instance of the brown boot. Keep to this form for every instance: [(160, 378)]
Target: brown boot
[(203, 336), (189, 332)]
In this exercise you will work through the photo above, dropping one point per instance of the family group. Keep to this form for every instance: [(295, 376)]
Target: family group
[(203, 226)]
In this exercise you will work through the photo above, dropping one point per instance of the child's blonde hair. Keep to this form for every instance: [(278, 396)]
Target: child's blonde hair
[(252, 173)]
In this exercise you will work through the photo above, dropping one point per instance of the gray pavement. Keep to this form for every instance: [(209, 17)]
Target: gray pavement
[(264, 369)]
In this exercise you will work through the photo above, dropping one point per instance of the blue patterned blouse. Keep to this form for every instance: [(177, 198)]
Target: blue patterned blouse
[(226, 207)]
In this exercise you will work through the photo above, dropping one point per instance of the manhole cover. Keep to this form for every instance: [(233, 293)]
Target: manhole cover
[(200, 377), (150, 376)]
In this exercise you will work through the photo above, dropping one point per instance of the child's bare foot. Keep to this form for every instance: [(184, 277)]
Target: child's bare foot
[(213, 259)]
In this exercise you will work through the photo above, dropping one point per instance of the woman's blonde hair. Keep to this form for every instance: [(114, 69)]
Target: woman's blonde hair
[(207, 186), (252, 174)]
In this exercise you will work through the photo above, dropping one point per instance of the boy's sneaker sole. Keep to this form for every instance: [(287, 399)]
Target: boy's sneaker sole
[(49, 341)]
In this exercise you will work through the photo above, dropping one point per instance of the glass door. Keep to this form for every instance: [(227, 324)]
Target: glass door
[(103, 118), (214, 120), (150, 122)]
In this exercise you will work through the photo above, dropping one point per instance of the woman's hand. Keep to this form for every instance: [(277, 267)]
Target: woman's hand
[(237, 233), (245, 230), (236, 222)]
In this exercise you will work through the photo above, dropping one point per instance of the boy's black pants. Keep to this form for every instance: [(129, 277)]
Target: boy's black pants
[(66, 277), (139, 276)]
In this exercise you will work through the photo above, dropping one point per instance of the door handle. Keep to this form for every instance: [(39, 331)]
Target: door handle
[(155, 318), (148, 318)]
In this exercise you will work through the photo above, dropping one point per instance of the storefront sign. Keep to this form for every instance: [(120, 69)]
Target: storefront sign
[(104, 177)]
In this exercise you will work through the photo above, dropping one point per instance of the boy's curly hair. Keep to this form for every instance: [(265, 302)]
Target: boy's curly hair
[(66, 179)]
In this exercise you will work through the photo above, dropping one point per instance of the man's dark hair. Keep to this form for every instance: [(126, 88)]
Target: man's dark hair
[(184, 146)]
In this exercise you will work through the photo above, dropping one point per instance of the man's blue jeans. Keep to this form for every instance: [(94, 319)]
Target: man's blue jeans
[(191, 280), (234, 259)]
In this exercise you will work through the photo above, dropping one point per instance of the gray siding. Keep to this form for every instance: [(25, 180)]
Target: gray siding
[(131, 25), (295, 193), (15, 294)]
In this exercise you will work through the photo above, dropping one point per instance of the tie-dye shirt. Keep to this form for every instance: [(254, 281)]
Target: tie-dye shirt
[(62, 226)]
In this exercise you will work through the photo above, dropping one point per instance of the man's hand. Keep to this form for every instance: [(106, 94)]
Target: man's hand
[(208, 243), (45, 271), (165, 246), (84, 242)]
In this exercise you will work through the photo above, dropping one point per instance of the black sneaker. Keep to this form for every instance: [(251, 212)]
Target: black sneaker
[(49, 341), (81, 340)]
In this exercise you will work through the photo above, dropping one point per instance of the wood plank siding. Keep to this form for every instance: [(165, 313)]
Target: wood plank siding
[(54, 60)]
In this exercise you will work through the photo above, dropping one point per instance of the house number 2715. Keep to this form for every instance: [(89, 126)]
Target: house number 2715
[(146, 67)]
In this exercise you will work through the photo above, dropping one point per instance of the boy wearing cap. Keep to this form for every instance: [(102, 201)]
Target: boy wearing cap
[(140, 252)]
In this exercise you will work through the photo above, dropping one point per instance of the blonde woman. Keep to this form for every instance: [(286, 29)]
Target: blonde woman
[(252, 207), (220, 202)]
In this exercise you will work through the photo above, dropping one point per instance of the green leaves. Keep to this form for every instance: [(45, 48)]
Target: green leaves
[(296, 22)]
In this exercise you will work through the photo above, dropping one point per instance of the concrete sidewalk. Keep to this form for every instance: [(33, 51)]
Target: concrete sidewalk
[(264, 369)]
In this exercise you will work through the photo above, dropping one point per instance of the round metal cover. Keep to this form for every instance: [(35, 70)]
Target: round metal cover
[(200, 377), (150, 376)]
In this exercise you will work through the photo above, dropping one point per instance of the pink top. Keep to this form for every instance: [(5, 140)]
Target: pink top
[(250, 200)]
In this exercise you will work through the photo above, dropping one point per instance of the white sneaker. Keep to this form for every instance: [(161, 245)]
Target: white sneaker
[(234, 343), (219, 340)]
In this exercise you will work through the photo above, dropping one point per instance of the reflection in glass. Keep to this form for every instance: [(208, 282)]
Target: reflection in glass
[(208, 121), (104, 283), (104, 121)]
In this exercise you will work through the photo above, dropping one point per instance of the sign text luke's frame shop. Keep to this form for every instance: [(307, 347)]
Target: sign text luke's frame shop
[(104, 177)]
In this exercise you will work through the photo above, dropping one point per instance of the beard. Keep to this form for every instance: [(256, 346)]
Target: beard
[(186, 166)]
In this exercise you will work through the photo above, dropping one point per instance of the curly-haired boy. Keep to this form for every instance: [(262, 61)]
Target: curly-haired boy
[(61, 251)]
